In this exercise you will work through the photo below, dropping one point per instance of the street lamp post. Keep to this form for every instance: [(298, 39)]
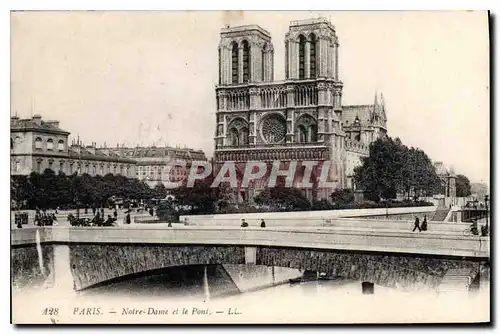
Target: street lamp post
[(77, 208)]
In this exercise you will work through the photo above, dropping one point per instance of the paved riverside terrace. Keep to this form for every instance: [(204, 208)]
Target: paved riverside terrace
[(62, 216)]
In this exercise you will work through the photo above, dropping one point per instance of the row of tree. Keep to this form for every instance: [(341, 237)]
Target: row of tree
[(393, 168), (390, 168), (202, 199), (49, 190)]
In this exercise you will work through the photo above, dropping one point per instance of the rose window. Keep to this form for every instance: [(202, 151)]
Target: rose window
[(273, 129)]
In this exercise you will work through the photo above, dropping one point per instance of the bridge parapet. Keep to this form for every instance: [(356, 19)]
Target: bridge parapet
[(316, 238)]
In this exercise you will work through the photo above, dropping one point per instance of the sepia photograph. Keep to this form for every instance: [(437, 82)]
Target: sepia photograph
[(250, 167)]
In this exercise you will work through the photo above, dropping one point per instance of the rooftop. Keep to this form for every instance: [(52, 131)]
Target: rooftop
[(306, 22), (35, 123), (245, 28), (77, 151), (159, 152)]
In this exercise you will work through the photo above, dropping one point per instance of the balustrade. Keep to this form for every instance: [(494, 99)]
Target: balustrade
[(269, 154), (356, 146), (273, 97), (269, 96), (238, 99), (306, 95)]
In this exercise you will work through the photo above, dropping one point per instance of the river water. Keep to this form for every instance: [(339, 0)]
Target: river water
[(182, 295)]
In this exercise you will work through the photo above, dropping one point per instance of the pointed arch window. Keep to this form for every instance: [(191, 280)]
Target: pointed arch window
[(312, 134), (246, 61), (263, 62), (220, 68), (243, 136), (302, 60), (302, 134), (287, 65), (234, 137), (234, 63), (312, 58), (307, 130)]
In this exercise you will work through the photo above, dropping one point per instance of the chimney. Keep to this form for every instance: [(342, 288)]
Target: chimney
[(90, 148), (53, 123), (75, 148), (37, 119), (14, 121)]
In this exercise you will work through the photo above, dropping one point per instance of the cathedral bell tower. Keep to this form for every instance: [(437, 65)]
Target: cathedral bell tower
[(246, 55), (311, 48), (246, 59), (312, 59)]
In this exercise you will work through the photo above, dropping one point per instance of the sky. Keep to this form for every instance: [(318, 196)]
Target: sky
[(149, 77)]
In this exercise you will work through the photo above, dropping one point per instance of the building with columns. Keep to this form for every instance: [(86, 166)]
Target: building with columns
[(36, 145), (301, 118), (153, 162)]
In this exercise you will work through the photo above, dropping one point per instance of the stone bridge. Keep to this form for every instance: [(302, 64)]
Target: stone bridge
[(81, 258)]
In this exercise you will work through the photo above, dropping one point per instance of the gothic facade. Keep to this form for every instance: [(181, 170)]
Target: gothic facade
[(301, 118)]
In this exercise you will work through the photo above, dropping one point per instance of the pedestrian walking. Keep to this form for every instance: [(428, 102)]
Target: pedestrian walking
[(262, 223), (417, 225), (115, 213), (127, 218), (424, 224)]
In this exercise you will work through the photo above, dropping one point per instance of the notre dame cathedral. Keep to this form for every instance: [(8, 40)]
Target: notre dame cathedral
[(300, 118)]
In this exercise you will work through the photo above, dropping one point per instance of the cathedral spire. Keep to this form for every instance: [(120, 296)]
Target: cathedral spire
[(376, 99)]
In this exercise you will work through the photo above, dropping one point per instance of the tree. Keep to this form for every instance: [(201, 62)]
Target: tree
[(391, 167), (19, 189), (282, 198), (342, 197), (167, 211), (160, 191), (420, 173), (201, 198), (463, 186), (381, 173)]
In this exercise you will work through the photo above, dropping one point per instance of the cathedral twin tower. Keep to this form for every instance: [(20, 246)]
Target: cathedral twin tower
[(246, 53), (298, 119)]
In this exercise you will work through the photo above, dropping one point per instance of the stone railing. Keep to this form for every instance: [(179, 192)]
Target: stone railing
[(263, 145), (272, 153), (357, 147), (375, 241), (274, 95)]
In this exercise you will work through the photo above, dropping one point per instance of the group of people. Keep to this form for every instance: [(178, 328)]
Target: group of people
[(99, 217), (417, 225), (44, 218), (245, 224)]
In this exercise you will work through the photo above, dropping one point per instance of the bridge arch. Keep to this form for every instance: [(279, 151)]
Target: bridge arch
[(92, 264)]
